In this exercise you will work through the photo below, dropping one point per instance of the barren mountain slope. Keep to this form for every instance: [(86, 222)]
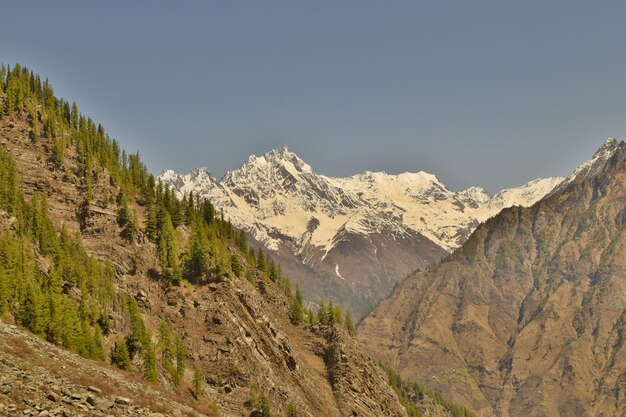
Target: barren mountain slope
[(527, 318)]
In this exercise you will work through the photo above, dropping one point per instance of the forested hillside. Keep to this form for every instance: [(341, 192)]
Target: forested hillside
[(99, 258)]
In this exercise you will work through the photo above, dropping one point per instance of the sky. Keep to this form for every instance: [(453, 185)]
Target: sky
[(486, 93)]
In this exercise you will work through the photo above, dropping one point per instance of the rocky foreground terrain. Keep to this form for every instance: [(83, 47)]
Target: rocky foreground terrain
[(40, 379)]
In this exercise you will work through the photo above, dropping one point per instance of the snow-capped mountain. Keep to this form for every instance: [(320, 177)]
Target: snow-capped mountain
[(590, 167), (397, 223), (279, 194)]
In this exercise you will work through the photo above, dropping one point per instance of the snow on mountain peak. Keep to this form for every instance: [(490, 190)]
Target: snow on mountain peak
[(278, 198), (476, 194), (592, 166)]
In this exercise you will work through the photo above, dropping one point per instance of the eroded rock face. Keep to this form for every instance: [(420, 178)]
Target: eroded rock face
[(528, 317), (242, 337)]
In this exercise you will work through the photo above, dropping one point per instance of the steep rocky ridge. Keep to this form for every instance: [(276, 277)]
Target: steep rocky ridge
[(528, 317), (349, 238), (239, 336)]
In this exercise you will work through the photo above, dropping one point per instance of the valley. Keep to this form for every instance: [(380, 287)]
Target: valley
[(350, 239)]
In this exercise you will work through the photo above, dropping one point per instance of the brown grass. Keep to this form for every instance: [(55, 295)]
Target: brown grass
[(19, 347), (91, 381)]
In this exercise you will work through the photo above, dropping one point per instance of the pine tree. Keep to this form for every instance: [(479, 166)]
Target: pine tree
[(120, 356), (29, 314), (181, 358), (197, 259), (349, 323), (166, 344), (149, 362), (260, 402), (198, 382), (97, 352), (235, 265), (296, 307), (331, 314), (190, 212), (261, 263), (292, 411), (322, 316), (263, 406), (151, 222), (168, 244), (338, 314)]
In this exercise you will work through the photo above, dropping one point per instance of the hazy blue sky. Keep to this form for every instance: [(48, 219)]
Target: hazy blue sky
[(479, 93)]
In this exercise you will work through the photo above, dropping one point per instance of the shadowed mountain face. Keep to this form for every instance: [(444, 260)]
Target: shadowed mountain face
[(527, 318), (350, 239)]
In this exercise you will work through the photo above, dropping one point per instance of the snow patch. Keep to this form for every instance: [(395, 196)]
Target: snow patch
[(337, 272)]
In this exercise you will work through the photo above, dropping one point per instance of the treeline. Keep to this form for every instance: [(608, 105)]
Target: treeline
[(410, 393), (61, 126)]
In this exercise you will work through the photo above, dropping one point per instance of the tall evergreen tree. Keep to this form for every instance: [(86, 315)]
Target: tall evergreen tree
[(198, 382), (181, 358), (120, 356)]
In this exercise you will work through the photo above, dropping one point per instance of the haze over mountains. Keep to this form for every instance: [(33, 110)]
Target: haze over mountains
[(350, 238)]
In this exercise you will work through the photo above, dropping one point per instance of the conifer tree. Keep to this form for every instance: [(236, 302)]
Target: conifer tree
[(149, 362), (330, 313), (197, 259), (349, 323), (166, 344), (168, 244), (151, 222), (29, 314), (97, 352), (190, 212), (235, 265), (198, 382), (120, 356), (292, 411), (322, 316), (296, 307), (263, 406), (261, 262), (260, 402), (181, 358)]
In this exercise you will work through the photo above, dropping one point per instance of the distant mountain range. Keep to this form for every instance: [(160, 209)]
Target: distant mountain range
[(351, 238)]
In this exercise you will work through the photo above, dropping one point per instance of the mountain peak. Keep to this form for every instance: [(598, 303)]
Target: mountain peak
[(607, 149), (281, 158), (201, 171), (593, 166), (280, 154)]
